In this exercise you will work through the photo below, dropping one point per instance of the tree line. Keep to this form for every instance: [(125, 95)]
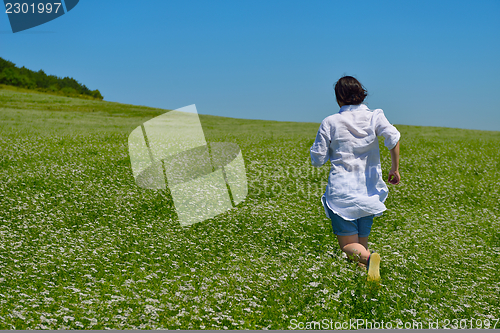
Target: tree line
[(22, 77)]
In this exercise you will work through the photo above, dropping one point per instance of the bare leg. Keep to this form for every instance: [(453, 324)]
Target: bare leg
[(354, 249), (364, 241)]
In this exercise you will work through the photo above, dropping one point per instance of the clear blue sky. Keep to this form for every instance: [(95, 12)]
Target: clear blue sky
[(431, 63)]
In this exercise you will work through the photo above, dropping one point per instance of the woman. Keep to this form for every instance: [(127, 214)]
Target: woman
[(356, 192)]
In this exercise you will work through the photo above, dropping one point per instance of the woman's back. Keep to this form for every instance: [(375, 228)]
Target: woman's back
[(349, 139)]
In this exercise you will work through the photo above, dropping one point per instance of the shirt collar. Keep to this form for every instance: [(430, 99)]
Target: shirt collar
[(359, 107)]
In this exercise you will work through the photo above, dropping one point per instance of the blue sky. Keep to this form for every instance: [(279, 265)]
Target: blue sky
[(430, 63)]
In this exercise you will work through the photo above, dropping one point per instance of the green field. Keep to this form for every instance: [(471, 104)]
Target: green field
[(82, 247)]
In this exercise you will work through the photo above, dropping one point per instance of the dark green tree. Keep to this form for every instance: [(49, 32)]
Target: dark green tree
[(23, 77)]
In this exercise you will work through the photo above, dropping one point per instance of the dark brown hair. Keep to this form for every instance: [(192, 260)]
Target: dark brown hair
[(350, 91)]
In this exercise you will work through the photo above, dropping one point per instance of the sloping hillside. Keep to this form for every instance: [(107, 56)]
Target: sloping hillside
[(81, 246)]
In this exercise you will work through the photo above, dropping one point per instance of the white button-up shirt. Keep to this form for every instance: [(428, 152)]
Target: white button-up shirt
[(349, 139)]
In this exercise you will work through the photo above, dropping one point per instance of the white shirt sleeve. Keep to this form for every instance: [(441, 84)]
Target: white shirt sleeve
[(385, 129), (319, 150)]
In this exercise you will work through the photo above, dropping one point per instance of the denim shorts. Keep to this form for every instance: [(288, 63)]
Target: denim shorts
[(341, 227)]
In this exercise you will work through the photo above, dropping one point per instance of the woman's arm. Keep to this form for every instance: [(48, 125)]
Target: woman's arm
[(394, 176), (391, 135), (319, 150)]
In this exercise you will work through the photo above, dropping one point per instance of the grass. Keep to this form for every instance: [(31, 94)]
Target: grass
[(47, 92), (82, 247)]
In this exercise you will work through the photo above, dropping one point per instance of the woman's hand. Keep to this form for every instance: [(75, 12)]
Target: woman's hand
[(394, 176)]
